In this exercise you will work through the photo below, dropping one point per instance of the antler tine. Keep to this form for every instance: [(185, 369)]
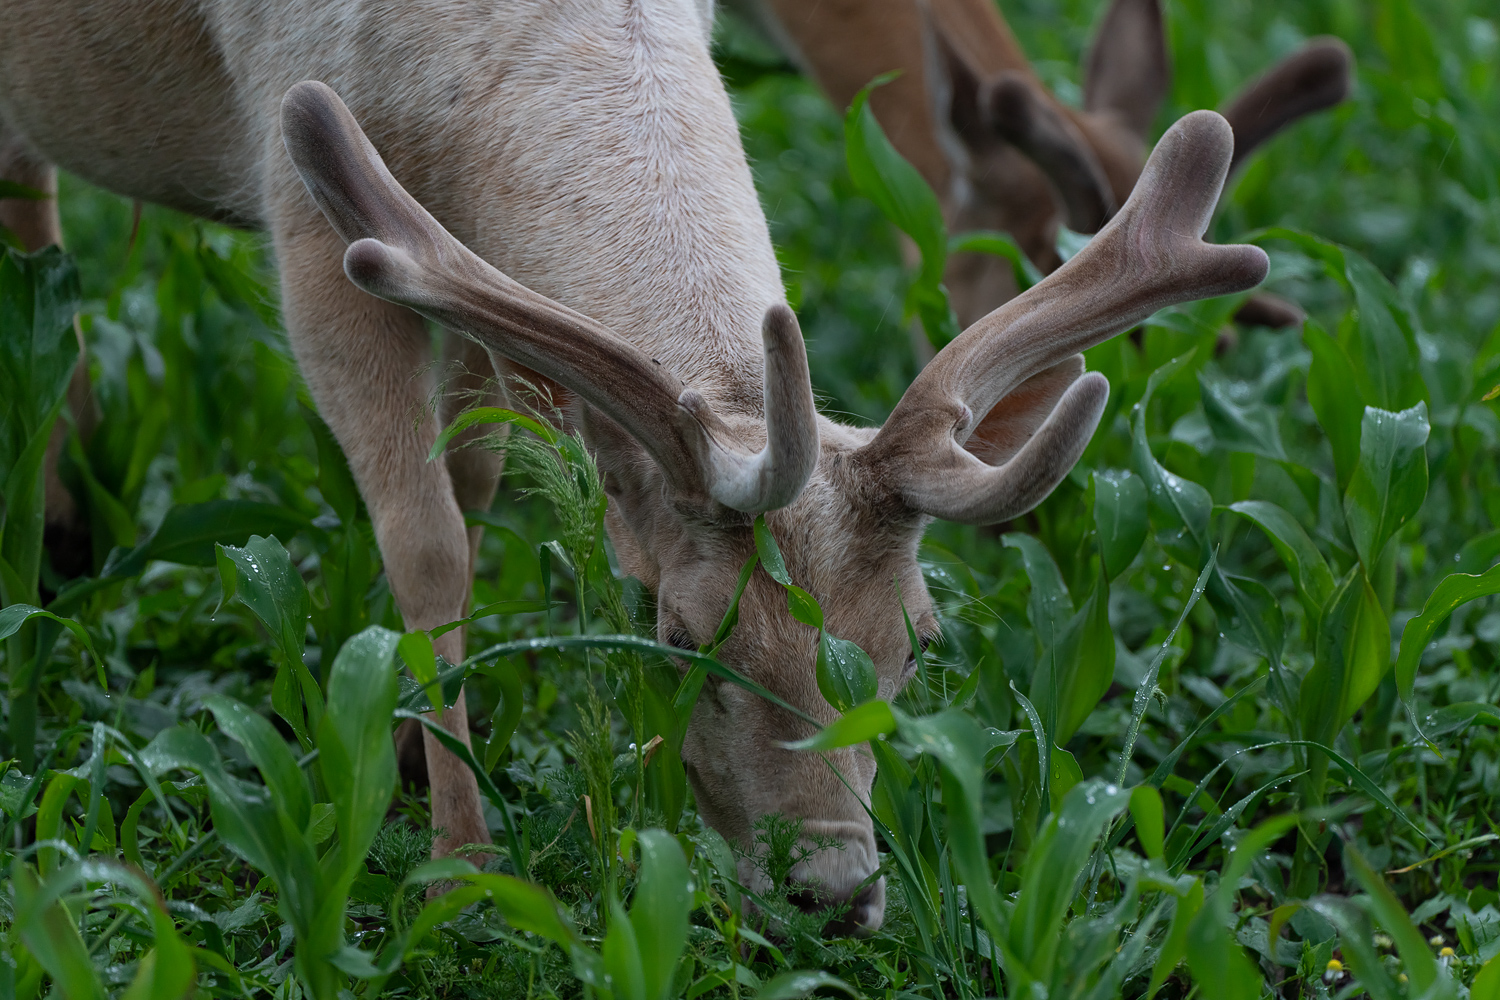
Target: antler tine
[(399, 252), (1150, 255), (1316, 76), (774, 476)]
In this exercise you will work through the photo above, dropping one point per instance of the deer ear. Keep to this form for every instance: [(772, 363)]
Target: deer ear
[(957, 88), (1128, 71), (1017, 109), (1016, 418)]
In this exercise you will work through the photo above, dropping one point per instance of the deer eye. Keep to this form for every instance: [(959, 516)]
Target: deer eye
[(923, 641), (678, 636)]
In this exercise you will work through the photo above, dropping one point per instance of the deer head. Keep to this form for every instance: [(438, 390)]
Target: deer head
[(1016, 144), (982, 435)]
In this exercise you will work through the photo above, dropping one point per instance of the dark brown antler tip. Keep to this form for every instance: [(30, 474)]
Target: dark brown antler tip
[(1317, 76)]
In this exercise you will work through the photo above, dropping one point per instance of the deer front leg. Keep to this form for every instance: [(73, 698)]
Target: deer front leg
[(364, 360)]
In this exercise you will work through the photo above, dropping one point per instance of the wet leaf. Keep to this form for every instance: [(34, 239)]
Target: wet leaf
[(1390, 481)]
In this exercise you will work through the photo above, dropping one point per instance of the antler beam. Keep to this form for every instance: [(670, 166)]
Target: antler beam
[(1149, 256), (399, 252)]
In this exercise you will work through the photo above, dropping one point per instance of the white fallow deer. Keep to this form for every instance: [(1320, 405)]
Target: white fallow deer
[(969, 111), (592, 220)]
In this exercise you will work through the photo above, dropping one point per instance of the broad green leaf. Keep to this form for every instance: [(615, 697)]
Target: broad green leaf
[(188, 533), (1335, 398), (268, 752), (1383, 348), (1249, 615), (1051, 874), (845, 673), (1119, 517), (16, 615), (769, 552), (903, 196), (1479, 553), (1416, 956), (625, 973), (1387, 344), (1250, 429), (1066, 774), (335, 481), (659, 910), (51, 935), (419, 655), (262, 576), (1218, 963), (1174, 948), (858, 725), (1162, 375), (1049, 608), (247, 821), (38, 350), (1039, 734), (107, 509), (355, 752), (804, 607), (1308, 568), (799, 983), (894, 185), (1076, 671), (1353, 652), (1182, 506), (1146, 690), (955, 739), (1390, 481), (1150, 821), (1486, 984), (1451, 592), (507, 714), (525, 906), (1357, 943), (39, 296), (528, 907), (167, 971)]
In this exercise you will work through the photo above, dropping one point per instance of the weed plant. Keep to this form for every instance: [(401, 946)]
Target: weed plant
[(1218, 719)]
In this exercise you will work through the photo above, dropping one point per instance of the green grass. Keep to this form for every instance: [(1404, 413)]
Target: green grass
[(1219, 714)]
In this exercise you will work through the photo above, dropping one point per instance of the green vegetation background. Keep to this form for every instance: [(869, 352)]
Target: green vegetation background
[(201, 404)]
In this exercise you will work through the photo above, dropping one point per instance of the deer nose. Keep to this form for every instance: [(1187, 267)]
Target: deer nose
[(860, 915), (839, 877)]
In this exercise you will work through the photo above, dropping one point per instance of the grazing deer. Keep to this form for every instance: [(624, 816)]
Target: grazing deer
[(999, 148), (586, 151)]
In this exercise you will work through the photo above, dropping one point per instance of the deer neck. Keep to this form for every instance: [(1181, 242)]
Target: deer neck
[(624, 194)]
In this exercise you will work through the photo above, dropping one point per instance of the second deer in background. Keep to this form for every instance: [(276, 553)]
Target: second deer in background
[(1001, 151)]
